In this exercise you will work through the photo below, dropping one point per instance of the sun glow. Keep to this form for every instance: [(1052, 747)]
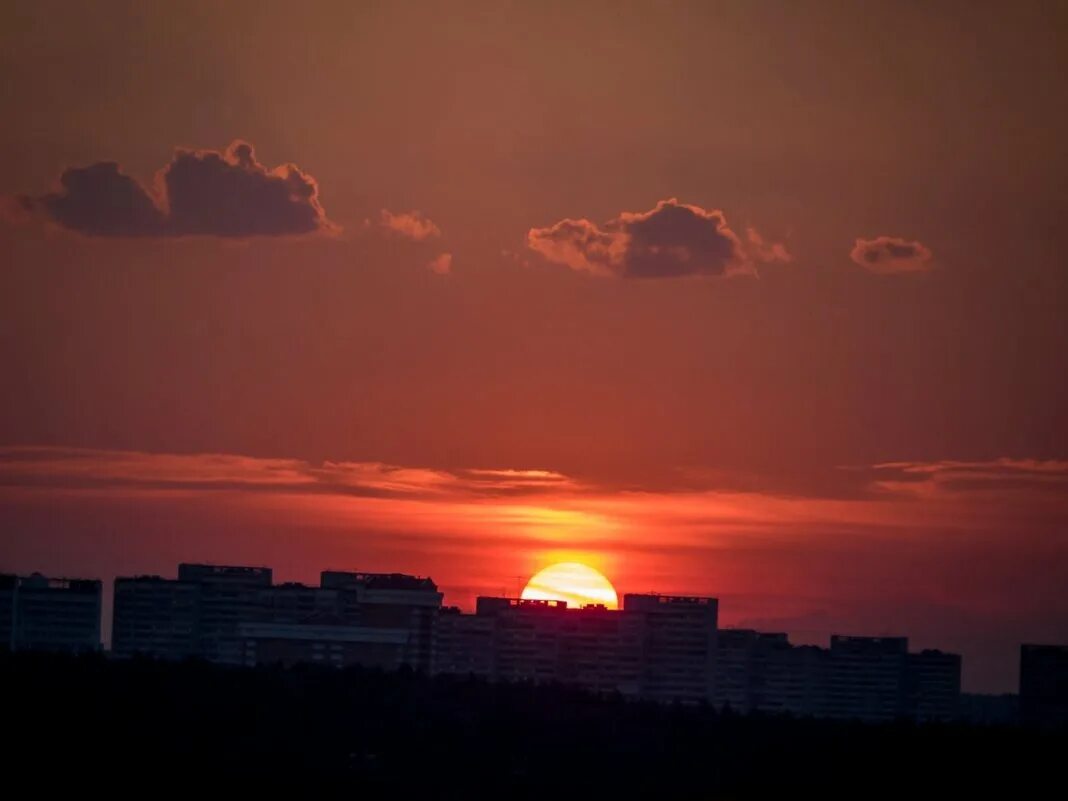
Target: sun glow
[(573, 582)]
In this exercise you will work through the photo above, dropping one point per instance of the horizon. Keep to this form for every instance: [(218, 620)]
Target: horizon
[(765, 302)]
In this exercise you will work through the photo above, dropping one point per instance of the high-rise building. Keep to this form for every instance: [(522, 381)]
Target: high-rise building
[(229, 596), (8, 583), (1044, 685), (677, 645), (602, 650), (335, 644), (933, 686), (742, 654), (511, 639), (659, 647), (50, 614), (544, 641), (809, 677), (464, 644), (157, 617), (764, 672), (374, 619), (867, 678), (526, 637), (235, 615), (300, 603), (989, 710), (392, 601)]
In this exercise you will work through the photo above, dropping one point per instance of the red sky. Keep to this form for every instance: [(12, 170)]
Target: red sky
[(771, 296)]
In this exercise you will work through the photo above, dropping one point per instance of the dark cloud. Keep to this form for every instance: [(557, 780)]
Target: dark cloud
[(100, 201), (201, 192), (888, 254), (673, 239)]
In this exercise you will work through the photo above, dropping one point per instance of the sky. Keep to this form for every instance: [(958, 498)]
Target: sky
[(756, 300)]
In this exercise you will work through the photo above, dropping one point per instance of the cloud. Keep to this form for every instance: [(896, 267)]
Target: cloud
[(924, 479), (100, 201), (888, 254), (201, 192), (671, 240), (442, 265), (81, 468), (84, 468), (412, 224), (765, 251)]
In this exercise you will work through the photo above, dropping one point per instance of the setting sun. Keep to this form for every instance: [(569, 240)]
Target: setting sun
[(573, 582)]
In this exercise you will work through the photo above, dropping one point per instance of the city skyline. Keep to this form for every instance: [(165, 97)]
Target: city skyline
[(581, 589), (652, 647), (758, 301), (668, 649)]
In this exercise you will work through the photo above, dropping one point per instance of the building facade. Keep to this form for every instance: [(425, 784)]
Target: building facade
[(933, 686), (396, 601), (464, 644), (50, 614), (867, 678), (228, 597), (764, 672), (677, 646), (155, 616), (235, 615), (656, 647)]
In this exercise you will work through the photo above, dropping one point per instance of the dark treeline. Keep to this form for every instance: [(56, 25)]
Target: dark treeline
[(141, 725)]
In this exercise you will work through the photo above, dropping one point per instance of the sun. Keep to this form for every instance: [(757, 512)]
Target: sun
[(573, 582)]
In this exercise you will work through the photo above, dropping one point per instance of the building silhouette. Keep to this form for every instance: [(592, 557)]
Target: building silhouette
[(228, 597), (510, 639), (235, 615), (377, 619), (670, 649), (763, 672), (38, 613), (677, 645), (465, 645), (933, 685), (867, 677), (157, 616), (657, 647), (1044, 685)]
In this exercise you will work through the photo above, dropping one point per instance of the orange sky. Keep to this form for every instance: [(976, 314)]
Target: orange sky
[(705, 266)]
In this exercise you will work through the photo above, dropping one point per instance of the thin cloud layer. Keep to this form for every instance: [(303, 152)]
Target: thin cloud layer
[(81, 468), (77, 468), (927, 478), (889, 254), (201, 192), (412, 224), (671, 240)]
